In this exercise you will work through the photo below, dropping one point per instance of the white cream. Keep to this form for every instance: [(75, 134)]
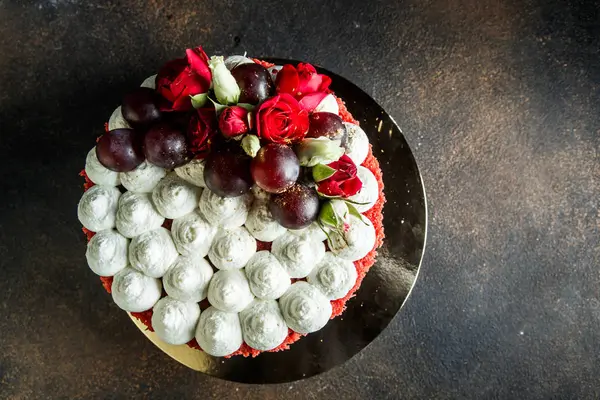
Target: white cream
[(328, 104), (144, 178), (192, 172), (117, 121), (356, 241), (97, 208), (226, 212), (304, 308), (175, 321), (135, 292), (261, 225), (232, 248), (98, 173), (229, 291), (263, 326), (106, 252), (313, 231), (152, 252), (368, 194), (149, 82), (193, 235), (188, 279), (266, 276), (219, 333), (274, 70), (173, 197), (233, 61), (357, 143), (260, 195), (333, 276), (136, 214), (297, 254)]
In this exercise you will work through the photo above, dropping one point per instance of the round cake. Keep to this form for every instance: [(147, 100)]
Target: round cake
[(232, 205)]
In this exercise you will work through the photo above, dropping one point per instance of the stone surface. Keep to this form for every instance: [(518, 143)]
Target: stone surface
[(499, 101)]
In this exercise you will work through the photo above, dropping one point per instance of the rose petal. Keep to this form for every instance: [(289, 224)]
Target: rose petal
[(287, 79), (310, 101)]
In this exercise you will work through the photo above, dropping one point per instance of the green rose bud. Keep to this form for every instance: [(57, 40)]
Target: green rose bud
[(224, 84), (251, 145), (313, 151)]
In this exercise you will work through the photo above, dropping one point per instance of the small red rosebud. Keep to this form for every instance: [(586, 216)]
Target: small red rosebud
[(233, 121)]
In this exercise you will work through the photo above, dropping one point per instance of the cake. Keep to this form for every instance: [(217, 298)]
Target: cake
[(232, 205)]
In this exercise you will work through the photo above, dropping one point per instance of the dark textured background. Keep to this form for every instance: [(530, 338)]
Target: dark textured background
[(500, 102)]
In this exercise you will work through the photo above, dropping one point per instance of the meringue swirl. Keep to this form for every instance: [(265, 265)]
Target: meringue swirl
[(149, 82), (192, 172), (98, 173), (266, 276), (152, 252), (261, 225), (233, 61), (357, 143), (188, 279), (136, 214), (369, 193), (263, 326), (260, 195), (135, 292), (97, 208), (357, 241), (117, 121), (231, 249), (328, 104), (304, 308), (193, 235), (229, 290), (313, 231), (173, 197), (226, 212), (219, 333), (106, 252), (175, 321), (333, 276), (144, 178), (297, 254)]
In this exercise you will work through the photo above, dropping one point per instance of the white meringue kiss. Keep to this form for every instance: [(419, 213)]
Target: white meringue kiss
[(226, 212), (117, 121), (188, 279), (106, 252), (173, 197), (136, 214), (144, 178), (274, 70), (97, 208), (233, 61), (260, 223), (232, 248), (219, 333), (313, 231), (152, 252), (98, 173), (229, 291), (193, 235), (263, 326), (175, 321), (135, 292), (297, 254), (267, 278), (357, 143), (328, 104), (333, 276), (260, 195), (192, 172), (369, 193), (304, 308), (149, 82), (357, 241)]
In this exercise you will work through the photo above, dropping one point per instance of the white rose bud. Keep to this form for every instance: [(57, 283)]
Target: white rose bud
[(224, 84)]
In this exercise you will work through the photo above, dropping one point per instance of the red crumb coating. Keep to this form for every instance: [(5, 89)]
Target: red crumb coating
[(88, 182), (107, 282), (145, 317), (88, 234), (263, 63), (344, 113)]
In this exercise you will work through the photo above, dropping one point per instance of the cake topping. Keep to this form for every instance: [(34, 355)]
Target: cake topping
[(355, 241), (144, 178), (341, 181), (117, 121), (219, 333), (98, 173), (275, 168), (173, 197), (140, 107), (226, 212), (328, 125), (193, 172), (165, 145), (328, 104), (188, 279), (263, 326), (266, 276), (135, 292), (98, 207), (227, 172), (232, 248), (175, 321), (107, 252), (152, 252), (314, 231), (233, 61), (296, 208), (261, 224), (254, 81), (368, 194), (357, 143), (136, 214), (120, 150), (193, 235), (229, 290), (333, 276), (297, 254), (304, 308)]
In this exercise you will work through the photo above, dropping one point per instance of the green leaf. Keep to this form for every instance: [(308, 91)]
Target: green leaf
[(356, 202), (199, 100), (218, 106), (327, 215), (313, 151), (247, 106), (320, 172), (353, 211)]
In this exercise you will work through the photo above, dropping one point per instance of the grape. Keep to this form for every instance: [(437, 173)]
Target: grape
[(296, 208), (140, 107), (275, 168), (120, 150), (166, 146), (254, 81), (327, 124), (227, 172)]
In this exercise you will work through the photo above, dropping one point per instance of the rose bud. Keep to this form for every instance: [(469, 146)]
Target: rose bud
[(233, 121), (224, 84)]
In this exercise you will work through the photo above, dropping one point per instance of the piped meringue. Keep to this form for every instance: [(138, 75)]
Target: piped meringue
[(226, 212), (266, 276), (357, 241), (117, 121), (260, 195), (149, 82), (369, 193), (106, 252), (187, 279), (152, 252), (193, 235), (97, 208), (328, 104), (297, 254), (263, 326), (192, 172), (313, 231), (136, 214), (233, 61), (274, 70), (144, 178), (135, 292), (304, 308), (261, 224), (219, 333), (333, 276), (175, 321), (173, 197), (232, 248), (229, 290), (357, 143), (98, 173)]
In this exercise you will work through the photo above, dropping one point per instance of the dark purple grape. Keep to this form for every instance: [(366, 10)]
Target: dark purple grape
[(327, 124), (140, 107), (254, 81), (227, 173), (166, 146), (120, 150), (296, 208), (275, 168)]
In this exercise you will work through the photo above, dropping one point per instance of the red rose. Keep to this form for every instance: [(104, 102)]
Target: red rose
[(201, 129), (233, 121), (181, 78), (301, 80), (280, 119), (344, 182)]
